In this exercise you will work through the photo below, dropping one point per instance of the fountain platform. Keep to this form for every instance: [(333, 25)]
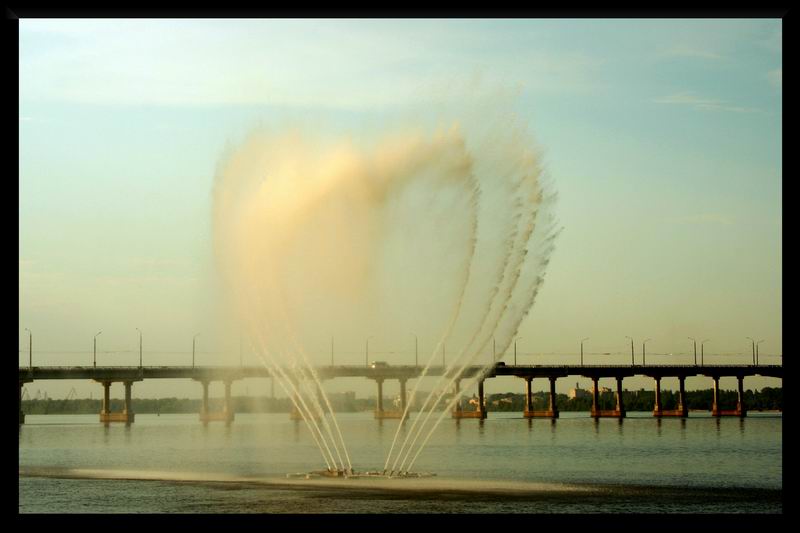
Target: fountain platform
[(316, 474)]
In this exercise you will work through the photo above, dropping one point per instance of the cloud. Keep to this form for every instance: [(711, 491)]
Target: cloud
[(705, 104)]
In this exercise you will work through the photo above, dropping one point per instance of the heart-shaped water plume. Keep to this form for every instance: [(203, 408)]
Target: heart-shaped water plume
[(415, 231)]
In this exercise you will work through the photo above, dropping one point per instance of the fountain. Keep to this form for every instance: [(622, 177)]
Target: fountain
[(317, 232)]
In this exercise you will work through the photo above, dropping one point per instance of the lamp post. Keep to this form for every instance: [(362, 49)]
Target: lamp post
[(695, 349), (193, 346), (632, 360), (643, 352), (95, 348), (586, 339), (754, 349), (701, 350), (515, 350), (416, 350), (30, 348), (140, 347), (757, 343)]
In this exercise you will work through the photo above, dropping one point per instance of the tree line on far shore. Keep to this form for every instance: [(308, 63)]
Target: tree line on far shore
[(768, 398)]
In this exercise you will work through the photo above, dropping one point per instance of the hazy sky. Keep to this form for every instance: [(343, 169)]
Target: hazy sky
[(661, 137)]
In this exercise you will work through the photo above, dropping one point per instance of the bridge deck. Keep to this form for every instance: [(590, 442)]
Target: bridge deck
[(217, 373)]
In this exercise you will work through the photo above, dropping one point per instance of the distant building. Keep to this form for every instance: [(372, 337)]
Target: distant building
[(502, 400), (578, 392)]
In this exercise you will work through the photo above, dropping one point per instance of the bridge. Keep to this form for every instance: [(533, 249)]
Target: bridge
[(379, 373)]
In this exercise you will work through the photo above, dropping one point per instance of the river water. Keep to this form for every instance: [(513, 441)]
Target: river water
[(173, 464)]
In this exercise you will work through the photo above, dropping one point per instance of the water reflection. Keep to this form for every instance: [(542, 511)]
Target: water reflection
[(271, 444)]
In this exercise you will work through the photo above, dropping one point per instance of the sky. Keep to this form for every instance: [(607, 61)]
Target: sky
[(662, 139)]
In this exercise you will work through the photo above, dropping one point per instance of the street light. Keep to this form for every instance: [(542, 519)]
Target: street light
[(140, 347), (367, 351), (95, 348), (30, 348), (632, 360), (695, 349), (515, 350), (586, 339), (701, 350), (754, 349), (193, 345), (757, 343), (416, 350), (643, 353)]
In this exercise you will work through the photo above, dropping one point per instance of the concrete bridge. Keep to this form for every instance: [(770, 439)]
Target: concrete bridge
[(379, 373)]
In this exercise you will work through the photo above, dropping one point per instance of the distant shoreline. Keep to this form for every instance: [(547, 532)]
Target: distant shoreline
[(767, 400)]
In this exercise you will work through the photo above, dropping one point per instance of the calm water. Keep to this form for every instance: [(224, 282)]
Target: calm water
[(172, 463)]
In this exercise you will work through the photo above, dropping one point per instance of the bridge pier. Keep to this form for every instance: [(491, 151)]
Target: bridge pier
[(740, 400), (620, 403), (21, 413), (204, 405), (295, 414), (617, 412), (740, 410), (551, 411), (128, 408), (657, 411), (403, 398), (379, 403), (481, 399), (126, 415), (528, 398), (106, 407), (553, 397), (682, 408), (457, 394), (227, 409), (715, 410), (458, 411), (226, 415), (380, 412)]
